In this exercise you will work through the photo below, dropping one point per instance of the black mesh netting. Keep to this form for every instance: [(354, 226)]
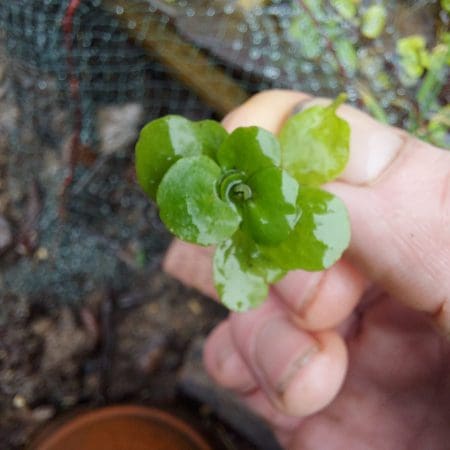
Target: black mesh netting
[(79, 77)]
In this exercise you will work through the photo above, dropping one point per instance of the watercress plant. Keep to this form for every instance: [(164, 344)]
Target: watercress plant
[(254, 196)]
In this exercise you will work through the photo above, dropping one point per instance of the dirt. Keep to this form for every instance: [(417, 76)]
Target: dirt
[(109, 349), (87, 317)]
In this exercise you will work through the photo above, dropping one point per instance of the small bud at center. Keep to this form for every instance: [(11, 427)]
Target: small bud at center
[(242, 191)]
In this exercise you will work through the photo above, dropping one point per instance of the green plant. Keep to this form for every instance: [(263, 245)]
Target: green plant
[(253, 195), (375, 52)]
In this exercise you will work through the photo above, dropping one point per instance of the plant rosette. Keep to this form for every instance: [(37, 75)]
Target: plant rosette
[(254, 196)]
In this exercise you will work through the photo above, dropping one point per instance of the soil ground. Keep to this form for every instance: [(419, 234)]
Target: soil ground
[(87, 317)]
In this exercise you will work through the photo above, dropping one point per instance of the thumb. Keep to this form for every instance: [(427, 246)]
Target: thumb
[(397, 190)]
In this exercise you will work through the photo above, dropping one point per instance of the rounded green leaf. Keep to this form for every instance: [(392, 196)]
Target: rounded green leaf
[(165, 140), (271, 212), (161, 143), (211, 135), (252, 257), (189, 205), (240, 288), (249, 149), (241, 273), (315, 144), (320, 236)]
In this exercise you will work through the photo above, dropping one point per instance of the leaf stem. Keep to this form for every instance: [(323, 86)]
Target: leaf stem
[(341, 98)]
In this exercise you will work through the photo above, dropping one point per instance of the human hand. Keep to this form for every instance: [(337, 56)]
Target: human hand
[(358, 356)]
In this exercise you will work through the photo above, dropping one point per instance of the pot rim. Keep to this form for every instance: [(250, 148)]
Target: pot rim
[(56, 433)]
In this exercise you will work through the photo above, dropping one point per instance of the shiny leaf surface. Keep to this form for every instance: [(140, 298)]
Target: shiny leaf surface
[(248, 150), (211, 134), (251, 196), (315, 144), (163, 141), (271, 213), (242, 274), (189, 205), (320, 236)]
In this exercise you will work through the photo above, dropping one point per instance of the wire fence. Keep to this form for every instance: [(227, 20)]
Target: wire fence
[(79, 77)]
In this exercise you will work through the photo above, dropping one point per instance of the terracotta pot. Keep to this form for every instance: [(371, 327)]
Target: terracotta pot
[(121, 428)]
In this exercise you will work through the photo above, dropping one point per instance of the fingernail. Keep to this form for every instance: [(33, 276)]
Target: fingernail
[(281, 351), (373, 145)]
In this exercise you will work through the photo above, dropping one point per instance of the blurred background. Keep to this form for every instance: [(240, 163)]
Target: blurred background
[(87, 318)]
